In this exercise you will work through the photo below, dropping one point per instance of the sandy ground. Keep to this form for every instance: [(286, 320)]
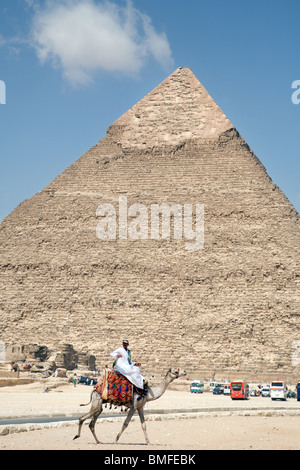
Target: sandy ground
[(194, 422)]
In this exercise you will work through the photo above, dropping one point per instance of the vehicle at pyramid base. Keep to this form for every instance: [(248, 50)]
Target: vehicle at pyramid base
[(239, 390), (216, 384), (197, 386), (265, 391), (278, 390), (298, 391)]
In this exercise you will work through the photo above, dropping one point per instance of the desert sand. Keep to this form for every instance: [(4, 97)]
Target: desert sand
[(190, 422)]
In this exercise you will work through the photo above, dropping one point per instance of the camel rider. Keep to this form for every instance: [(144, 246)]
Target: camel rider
[(123, 364)]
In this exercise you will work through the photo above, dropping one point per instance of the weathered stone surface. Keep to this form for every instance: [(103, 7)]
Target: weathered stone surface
[(228, 308), (179, 109)]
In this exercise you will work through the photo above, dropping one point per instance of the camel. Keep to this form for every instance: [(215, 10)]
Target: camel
[(137, 404)]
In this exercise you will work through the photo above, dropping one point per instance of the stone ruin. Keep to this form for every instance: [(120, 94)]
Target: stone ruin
[(41, 357)]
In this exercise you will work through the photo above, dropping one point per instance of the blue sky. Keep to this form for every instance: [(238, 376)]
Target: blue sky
[(72, 67)]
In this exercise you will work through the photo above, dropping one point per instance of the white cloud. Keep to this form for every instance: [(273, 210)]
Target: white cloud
[(82, 36)]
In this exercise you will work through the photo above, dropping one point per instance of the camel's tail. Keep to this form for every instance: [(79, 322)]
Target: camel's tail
[(86, 404)]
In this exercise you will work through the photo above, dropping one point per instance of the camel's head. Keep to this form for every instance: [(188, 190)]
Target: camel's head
[(176, 373)]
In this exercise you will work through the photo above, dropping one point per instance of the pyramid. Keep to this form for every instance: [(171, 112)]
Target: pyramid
[(227, 308)]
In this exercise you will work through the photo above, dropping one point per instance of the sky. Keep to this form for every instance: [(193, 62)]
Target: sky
[(70, 68)]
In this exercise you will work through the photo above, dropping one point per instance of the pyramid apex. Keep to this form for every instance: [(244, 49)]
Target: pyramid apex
[(185, 72), (184, 69), (177, 110)]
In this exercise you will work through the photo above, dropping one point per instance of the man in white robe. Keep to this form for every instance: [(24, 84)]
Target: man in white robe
[(124, 365)]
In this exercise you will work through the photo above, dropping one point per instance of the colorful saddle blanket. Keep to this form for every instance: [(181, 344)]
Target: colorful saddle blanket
[(115, 388)]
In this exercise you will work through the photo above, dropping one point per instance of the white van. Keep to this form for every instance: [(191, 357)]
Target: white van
[(213, 385), (278, 390)]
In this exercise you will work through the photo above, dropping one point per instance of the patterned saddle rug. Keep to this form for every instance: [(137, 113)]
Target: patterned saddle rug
[(115, 388)]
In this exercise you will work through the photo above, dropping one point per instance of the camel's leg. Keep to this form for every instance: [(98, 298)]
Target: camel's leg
[(142, 418), (92, 424), (95, 410), (81, 421), (126, 422)]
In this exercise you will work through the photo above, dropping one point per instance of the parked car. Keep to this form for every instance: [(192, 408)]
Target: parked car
[(265, 392), (226, 389), (291, 395), (217, 391), (87, 381), (82, 379), (253, 392)]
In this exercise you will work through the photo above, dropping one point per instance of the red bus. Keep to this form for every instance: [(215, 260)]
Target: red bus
[(239, 390)]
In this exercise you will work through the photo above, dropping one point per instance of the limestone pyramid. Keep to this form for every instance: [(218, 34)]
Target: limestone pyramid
[(228, 308)]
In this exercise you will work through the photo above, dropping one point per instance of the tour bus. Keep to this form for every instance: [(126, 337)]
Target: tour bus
[(278, 390), (197, 386), (239, 390)]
